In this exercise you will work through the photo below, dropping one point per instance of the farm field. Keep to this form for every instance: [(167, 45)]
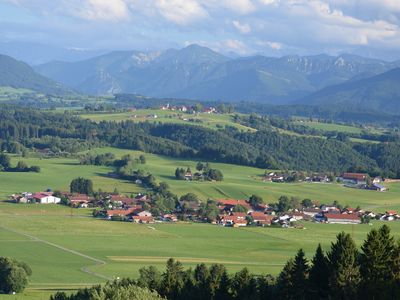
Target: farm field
[(212, 121), (69, 252), (239, 182), (330, 126)]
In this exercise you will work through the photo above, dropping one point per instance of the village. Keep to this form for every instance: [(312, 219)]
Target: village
[(350, 180), (141, 208)]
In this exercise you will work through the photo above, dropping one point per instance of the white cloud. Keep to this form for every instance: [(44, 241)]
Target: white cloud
[(181, 11), (240, 6), (243, 28), (115, 10)]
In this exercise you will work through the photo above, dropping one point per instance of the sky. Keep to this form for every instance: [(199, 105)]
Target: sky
[(244, 27)]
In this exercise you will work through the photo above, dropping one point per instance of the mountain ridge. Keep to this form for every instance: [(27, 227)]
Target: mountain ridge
[(198, 72)]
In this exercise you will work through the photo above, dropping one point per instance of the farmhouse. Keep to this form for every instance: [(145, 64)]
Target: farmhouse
[(378, 187), (355, 178), (229, 204), (45, 198), (261, 218), (143, 219), (342, 218), (235, 220), (123, 200), (79, 200), (119, 212)]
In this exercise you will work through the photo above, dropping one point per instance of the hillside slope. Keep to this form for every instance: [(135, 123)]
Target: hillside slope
[(17, 74), (376, 93)]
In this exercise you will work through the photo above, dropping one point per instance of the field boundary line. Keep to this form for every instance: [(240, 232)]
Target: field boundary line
[(84, 269)]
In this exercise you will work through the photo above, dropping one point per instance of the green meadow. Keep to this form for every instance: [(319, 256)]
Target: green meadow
[(212, 121), (239, 182), (70, 251), (67, 248)]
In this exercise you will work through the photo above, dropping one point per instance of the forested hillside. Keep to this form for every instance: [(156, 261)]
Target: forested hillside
[(264, 148)]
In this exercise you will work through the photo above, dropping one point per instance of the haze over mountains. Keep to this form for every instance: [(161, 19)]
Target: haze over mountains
[(18, 74), (195, 72), (200, 73)]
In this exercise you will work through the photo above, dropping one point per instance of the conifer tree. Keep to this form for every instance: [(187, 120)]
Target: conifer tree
[(344, 271), (299, 275), (318, 277), (172, 282), (285, 282)]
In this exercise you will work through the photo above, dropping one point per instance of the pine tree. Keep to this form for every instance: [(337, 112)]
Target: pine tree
[(299, 275), (344, 271), (172, 282), (217, 271), (318, 278), (285, 282), (201, 277), (223, 292)]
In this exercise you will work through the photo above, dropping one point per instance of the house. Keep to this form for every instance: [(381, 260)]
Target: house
[(377, 180), (261, 218), (143, 219), (297, 216), (355, 178), (342, 218), (80, 200), (311, 212), (119, 212), (122, 200), (348, 210), (229, 204), (390, 215), (170, 218), (378, 187), (141, 199), (45, 198), (188, 176), (234, 220), (143, 213)]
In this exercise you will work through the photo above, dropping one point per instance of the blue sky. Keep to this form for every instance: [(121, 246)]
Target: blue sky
[(270, 27)]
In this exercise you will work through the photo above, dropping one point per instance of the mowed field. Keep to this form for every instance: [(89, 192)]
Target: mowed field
[(67, 248), (70, 251), (212, 121), (239, 182)]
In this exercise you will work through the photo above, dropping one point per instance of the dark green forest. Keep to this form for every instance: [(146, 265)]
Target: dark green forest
[(66, 134)]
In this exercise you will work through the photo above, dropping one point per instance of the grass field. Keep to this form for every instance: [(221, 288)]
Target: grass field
[(69, 252), (67, 248), (239, 182), (166, 116), (330, 126)]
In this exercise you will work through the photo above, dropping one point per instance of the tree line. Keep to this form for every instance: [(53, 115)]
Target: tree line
[(264, 148)]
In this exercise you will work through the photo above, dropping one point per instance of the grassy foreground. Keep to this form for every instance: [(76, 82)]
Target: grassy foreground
[(67, 252)]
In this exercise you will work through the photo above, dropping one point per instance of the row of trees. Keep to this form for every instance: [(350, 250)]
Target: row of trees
[(343, 272), (5, 165)]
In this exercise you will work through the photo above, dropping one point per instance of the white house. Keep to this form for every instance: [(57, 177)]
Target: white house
[(46, 198)]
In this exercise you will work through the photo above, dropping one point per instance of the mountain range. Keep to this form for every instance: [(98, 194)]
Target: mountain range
[(199, 73), (195, 72)]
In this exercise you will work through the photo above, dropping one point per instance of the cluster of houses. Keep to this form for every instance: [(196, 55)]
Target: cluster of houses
[(353, 180), (295, 176), (39, 197), (184, 108), (362, 181), (231, 212)]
